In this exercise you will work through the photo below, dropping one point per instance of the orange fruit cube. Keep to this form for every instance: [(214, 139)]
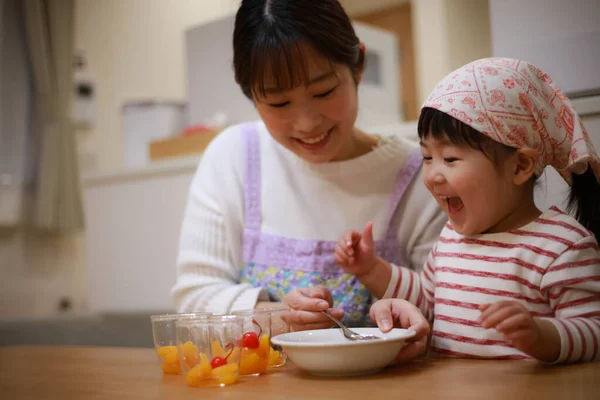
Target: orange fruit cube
[(226, 374), (200, 374), (168, 354), (234, 357), (224, 370), (228, 379), (251, 364), (171, 368), (275, 359), (264, 346), (216, 349), (195, 377), (190, 354)]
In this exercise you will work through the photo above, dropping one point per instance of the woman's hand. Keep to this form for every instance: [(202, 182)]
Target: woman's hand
[(390, 313), (306, 305)]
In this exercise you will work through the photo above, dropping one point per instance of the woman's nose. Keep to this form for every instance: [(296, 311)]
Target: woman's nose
[(308, 119)]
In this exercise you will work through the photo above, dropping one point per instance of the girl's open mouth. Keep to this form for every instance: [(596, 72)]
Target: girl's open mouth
[(454, 204)]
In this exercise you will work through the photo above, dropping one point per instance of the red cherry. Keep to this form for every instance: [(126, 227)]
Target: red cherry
[(250, 340), (218, 362)]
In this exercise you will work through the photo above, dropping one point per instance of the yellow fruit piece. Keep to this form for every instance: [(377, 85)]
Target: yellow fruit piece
[(224, 370), (264, 346), (203, 358), (262, 365), (168, 353), (171, 368), (246, 352), (190, 354), (275, 359), (204, 370), (251, 364), (198, 375), (234, 357), (247, 363), (217, 349), (228, 379), (193, 379)]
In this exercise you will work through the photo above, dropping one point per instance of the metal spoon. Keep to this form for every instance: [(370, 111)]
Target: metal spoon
[(348, 333)]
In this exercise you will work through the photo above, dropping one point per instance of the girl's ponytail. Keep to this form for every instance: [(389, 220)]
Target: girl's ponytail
[(584, 201)]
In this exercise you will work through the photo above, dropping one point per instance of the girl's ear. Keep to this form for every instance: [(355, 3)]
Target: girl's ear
[(525, 165), (359, 74)]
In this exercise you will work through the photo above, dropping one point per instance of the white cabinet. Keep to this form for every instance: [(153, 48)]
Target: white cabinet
[(133, 221)]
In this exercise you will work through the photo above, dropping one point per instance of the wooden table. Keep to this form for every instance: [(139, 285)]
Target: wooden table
[(124, 373)]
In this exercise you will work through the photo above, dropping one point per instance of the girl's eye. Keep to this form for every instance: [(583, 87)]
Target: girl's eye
[(449, 160), (279, 105), (327, 93), (426, 158)]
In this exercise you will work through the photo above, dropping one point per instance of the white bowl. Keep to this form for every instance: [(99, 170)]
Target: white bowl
[(326, 352)]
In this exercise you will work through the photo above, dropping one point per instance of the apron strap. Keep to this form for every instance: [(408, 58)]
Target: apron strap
[(404, 178), (251, 153)]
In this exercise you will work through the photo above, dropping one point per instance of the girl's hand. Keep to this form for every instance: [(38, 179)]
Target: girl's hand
[(390, 313), (514, 321), (537, 337), (355, 252)]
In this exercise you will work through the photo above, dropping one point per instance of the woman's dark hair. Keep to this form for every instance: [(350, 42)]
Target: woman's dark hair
[(439, 125), (584, 199), (268, 39)]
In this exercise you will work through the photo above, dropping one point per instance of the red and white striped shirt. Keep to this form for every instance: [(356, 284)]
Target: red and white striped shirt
[(551, 265)]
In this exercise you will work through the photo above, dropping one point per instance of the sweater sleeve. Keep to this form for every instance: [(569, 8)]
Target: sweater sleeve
[(209, 258), (572, 284), (417, 288)]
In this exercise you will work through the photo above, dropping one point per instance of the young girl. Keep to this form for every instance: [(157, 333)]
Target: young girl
[(504, 280)]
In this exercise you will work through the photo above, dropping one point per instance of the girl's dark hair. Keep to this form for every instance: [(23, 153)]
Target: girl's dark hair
[(584, 201), (439, 125), (268, 36)]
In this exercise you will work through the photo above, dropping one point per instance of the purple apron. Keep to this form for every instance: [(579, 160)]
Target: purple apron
[(279, 264)]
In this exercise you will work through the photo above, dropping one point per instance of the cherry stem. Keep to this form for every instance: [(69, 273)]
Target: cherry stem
[(259, 327), (228, 347)]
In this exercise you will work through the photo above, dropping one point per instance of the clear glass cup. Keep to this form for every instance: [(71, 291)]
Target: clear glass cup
[(209, 349), (165, 339), (260, 325), (280, 323), (256, 340)]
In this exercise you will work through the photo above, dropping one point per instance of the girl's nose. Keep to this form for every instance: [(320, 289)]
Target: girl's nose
[(434, 175)]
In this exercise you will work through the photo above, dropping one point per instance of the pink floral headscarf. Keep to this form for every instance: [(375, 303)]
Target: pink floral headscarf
[(515, 103)]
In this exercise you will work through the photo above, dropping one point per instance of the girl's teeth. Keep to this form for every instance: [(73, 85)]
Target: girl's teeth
[(315, 140)]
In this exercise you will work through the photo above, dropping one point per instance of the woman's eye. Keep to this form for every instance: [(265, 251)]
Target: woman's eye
[(279, 105), (327, 93)]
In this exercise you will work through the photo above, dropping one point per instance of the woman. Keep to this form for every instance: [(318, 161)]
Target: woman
[(269, 198)]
